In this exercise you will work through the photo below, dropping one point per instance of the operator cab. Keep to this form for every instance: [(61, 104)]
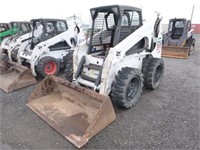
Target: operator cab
[(4, 27), (49, 28), (177, 32), (177, 27), (111, 25), (20, 28)]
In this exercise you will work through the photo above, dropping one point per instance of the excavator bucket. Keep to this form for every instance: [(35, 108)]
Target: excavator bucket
[(175, 52), (14, 76), (75, 112)]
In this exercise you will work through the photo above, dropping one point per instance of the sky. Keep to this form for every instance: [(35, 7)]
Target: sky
[(24, 10)]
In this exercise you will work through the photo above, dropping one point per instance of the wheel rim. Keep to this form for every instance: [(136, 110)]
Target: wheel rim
[(50, 68), (157, 74), (132, 88)]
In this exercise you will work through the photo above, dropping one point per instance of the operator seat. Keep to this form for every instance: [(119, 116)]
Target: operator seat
[(177, 33)]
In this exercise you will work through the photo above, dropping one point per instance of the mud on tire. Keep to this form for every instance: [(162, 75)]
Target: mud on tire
[(127, 87), (153, 73), (48, 66), (68, 60)]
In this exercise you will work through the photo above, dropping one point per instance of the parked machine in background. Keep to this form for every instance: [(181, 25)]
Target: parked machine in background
[(120, 55), (40, 55), (45, 54), (178, 42), (22, 34), (3, 27), (14, 31)]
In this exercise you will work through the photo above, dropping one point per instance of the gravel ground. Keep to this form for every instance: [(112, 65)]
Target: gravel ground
[(167, 118)]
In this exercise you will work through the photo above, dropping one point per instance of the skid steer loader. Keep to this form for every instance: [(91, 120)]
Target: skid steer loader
[(112, 64), (43, 53), (12, 32), (8, 43), (178, 42), (13, 76)]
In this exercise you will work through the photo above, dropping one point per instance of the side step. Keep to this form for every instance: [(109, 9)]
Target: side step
[(14, 76), (75, 112)]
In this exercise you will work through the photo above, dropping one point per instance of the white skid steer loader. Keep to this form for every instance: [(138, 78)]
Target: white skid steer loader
[(121, 54), (20, 33), (43, 53), (16, 43)]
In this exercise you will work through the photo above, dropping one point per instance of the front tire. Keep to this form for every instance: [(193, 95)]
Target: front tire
[(48, 66), (190, 43), (153, 73), (127, 87), (68, 73)]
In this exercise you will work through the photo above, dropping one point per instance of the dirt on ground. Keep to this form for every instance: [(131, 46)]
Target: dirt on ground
[(166, 118)]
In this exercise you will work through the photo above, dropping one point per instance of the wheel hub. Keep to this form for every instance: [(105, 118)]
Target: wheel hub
[(50, 68), (132, 88)]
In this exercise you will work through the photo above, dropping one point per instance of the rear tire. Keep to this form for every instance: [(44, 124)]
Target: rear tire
[(191, 44), (127, 87), (3, 55), (192, 47), (153, 73), (48, 66), (68, 73), (14, 55)]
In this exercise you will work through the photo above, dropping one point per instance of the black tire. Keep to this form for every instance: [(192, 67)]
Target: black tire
[(153, 73), (4, 55), (146, 61), (68, 60), (44, 62), (191, 44), (73, 42), (192, 47), (14, 55), (127, 87)]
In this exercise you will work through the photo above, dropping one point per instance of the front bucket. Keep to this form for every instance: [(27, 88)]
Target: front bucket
[(75, 112), (175, 52), (14, 76)]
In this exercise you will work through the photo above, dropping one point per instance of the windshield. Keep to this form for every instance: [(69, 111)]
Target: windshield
[(4, 27), (104, 34), (46, 29), (104, 23), (23, 29), (176, 24)]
